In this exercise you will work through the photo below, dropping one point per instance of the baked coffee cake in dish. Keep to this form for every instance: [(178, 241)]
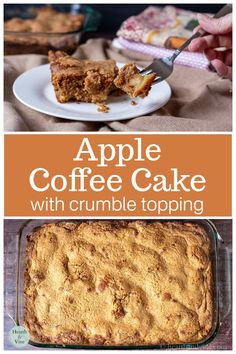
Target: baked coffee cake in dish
[(46, 20), (46, 29), (81, 80), (118, 283)]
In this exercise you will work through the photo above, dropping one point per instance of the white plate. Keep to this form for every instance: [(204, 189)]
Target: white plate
[(34, 89)]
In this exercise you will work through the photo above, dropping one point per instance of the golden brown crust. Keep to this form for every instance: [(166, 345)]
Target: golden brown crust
[(81, 80), (117, 283), (133, 83)]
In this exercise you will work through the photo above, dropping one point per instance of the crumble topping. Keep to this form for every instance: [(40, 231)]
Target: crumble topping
[(117, 283)]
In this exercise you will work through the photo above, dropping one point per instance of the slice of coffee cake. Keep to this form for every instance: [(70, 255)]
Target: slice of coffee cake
[(81, 80)]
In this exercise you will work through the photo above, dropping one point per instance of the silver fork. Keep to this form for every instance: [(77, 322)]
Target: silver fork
[(164, 67)]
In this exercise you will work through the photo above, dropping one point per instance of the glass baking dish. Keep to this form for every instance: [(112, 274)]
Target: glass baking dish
[(42, 42), (221, 299)]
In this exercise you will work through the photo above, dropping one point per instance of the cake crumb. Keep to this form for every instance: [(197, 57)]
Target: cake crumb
[(133, 103), (103, 108)]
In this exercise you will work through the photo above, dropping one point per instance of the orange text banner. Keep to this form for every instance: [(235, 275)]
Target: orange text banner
[(118, 175)]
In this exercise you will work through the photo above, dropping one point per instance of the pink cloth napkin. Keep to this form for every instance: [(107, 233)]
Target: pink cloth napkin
[(156, 24), (194, 60)]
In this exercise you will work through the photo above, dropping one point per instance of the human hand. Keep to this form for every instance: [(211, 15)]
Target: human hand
[(219, 35)]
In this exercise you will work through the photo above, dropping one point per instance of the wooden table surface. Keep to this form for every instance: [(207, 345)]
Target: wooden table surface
[(223, 340)]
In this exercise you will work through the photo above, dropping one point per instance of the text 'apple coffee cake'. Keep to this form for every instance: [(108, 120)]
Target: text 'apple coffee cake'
[(81, 80), (118, 283)]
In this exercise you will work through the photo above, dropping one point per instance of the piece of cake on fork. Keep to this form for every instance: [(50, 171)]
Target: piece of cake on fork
[(132, 82)]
